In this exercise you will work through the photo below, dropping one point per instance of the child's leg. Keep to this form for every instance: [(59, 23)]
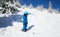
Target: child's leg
[(24, 26)]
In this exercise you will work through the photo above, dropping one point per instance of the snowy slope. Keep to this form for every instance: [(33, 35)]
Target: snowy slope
[(45, 25)]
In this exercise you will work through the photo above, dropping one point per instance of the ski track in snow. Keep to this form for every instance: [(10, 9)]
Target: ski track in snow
[(45, 25)]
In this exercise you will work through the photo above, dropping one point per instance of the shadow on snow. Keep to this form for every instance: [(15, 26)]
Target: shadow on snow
[(8, 21)]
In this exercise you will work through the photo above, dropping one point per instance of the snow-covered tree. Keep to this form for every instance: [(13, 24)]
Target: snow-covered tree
[(9, 6), (24, 6), (50, 7), (40, 7), (30, 6), (56, 10)]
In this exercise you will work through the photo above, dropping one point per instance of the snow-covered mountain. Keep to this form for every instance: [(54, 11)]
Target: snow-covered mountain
[(43, 23)]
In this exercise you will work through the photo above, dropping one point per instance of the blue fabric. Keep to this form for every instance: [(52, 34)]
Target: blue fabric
[(24, 26), (25, 21)]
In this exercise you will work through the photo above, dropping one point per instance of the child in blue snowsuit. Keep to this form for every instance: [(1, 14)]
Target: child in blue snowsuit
[(25, 21)]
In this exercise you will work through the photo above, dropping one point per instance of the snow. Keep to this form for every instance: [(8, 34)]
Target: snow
[(45, 24)]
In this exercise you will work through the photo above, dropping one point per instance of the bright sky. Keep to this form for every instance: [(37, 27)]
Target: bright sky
[(56, 3)]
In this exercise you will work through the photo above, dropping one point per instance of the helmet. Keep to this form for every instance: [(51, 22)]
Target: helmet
[(26, 13)]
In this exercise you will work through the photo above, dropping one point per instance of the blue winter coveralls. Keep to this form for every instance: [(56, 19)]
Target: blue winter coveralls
[(25, 21)]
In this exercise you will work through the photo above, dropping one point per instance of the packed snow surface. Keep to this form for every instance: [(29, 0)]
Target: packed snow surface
[(45, 24)]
